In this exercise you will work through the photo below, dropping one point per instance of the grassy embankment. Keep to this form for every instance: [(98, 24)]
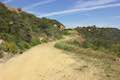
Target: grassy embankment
[(97, 45)]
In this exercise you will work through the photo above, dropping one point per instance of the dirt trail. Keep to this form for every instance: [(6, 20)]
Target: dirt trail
[(44, 62)]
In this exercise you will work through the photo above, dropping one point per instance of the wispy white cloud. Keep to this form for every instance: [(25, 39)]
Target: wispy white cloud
[(7, 1), (92, 3), (73, 10), (38, 4)]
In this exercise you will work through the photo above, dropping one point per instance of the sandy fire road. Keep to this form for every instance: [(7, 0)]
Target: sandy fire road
[(44, 62)]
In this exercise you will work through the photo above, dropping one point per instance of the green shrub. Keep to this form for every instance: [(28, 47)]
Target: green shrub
[(44, 41), (8, 37), (116, 49), (1, 54), (66, 32), (35, 42), (65, 46), (51, 31), (23, 45), (9, 47)]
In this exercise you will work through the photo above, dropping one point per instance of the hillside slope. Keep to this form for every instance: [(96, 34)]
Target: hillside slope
[(83, 47), (102, 39), (20, 30)]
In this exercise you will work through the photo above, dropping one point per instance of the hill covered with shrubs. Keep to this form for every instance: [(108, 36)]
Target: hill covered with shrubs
[(20, 30), (104, 39), (99, 46)]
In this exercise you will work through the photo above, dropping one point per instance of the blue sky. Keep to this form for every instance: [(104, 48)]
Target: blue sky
[(104, 13)]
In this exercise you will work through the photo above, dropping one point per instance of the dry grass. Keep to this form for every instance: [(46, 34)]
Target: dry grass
[(108, 63)]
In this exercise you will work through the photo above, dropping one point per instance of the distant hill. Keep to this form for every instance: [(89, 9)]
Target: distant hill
[(20, 30), (104, 39)]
